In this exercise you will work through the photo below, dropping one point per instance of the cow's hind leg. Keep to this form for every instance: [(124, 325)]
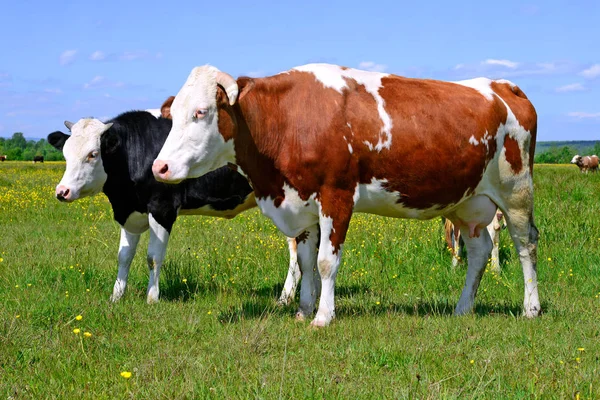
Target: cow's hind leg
[(127, 248), (307, 257), (525, 236), (157, 249), (293, 275), (478, 251)]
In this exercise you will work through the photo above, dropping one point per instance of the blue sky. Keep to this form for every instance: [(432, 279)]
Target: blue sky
[(72, 59)]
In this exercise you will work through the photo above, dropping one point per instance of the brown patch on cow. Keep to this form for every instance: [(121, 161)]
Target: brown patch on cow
[(513, 154), (433, 122), (523, 111), (165, 109)]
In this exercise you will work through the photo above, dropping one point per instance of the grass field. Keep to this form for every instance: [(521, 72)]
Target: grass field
[(217, 332)]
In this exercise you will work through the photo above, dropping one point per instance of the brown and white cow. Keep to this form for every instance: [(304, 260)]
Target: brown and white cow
[(320, 142), (586, 163), (2, 158), (456, 245)]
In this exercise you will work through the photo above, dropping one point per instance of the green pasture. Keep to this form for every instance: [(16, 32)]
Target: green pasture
[(218, 333)]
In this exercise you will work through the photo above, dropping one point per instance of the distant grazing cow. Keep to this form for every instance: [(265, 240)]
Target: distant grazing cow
[(456, 244), (116, 158), (586, 163), (38, 159), (321, 141), (2, 158)]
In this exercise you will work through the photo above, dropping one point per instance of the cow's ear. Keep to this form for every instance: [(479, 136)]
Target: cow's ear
[(245, 85), (165, 109), (57, 139), (110, 142)]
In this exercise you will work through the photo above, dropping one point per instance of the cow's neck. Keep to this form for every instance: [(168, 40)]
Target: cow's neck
[(257, 142)]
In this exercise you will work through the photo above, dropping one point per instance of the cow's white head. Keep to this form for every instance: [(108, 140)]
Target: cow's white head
[(195, 146), (576, 159), (85, 175)]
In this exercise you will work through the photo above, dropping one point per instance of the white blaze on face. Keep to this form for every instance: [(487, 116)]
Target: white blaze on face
[(195, 146), (575, 159), (332, 76), (85, 175)]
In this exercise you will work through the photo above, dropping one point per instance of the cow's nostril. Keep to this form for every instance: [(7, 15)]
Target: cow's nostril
[(65, 193), (164, 169)]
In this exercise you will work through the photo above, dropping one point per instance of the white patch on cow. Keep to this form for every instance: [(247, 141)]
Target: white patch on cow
[(350, 148), (473, 141), (136, 223), (512, 85), (195, 146), (294, 215), (333, 76), (482, 85), (154, 111), (84, 175)]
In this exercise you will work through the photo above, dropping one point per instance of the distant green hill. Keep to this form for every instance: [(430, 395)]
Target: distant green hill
[(582, 147)]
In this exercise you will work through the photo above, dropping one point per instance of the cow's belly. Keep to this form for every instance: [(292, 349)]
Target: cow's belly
[(293, 215), (209, 211), (372, 198)]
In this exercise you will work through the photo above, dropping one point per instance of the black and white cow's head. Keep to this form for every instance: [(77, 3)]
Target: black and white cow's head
[(85, 175)]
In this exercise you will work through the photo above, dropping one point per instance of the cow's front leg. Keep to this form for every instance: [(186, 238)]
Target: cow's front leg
[(333, 233), (157, 249), (127, 248)]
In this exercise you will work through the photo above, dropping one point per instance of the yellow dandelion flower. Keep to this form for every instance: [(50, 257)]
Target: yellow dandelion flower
[(210, 312), (472, 361), (17, 316), (79, 317), (126, 374), (549, 258), (87, 334), (184, 280), (16, 286), (581, 348), (377, 303), (578, 359), (76, 331)]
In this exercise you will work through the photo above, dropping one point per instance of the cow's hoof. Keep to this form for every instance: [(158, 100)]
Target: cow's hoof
[(300, 317), (532, 312)]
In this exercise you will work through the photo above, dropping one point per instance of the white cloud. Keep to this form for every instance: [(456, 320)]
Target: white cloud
[(584, 115), (574, 87), (504, 63), (591, 72), (67, 57), (371, 66), (100, 82), (97, 56)]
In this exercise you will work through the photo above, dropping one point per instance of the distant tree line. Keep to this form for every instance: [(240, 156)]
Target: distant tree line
[(564, 154), (18, 148)]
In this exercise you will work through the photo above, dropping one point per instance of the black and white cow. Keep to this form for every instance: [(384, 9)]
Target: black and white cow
[(116, 158)]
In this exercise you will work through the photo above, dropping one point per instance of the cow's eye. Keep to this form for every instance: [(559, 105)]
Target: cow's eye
[(93, 155), (200, 113)]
